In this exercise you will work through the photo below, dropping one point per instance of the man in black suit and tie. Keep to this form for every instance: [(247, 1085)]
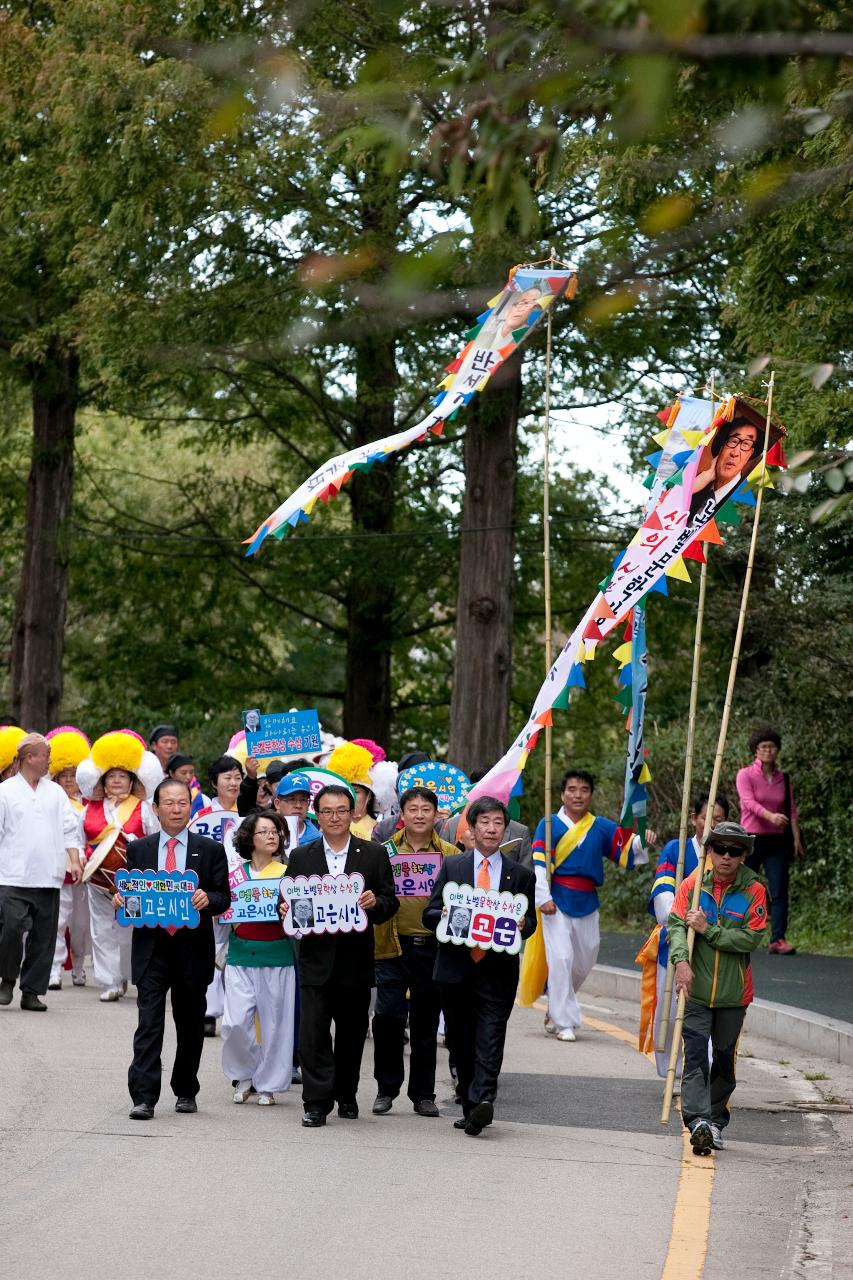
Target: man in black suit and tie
[(181, 960), (478, 986), (336, 969)]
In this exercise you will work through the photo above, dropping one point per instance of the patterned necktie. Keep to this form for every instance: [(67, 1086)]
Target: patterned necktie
[(484, 881), (171, 865)]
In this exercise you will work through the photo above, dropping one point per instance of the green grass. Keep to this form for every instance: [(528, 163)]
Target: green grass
[(815, 1075)]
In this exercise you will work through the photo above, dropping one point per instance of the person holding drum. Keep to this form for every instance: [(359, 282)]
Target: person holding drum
[(68, 746), (115, 779), (260, 981)]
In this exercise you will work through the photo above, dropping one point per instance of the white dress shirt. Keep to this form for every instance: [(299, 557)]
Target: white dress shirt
[(493, 862), (180, 850), (37, 826), (336, 862)]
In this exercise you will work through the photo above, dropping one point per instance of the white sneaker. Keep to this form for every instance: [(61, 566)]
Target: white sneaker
[(241, 1093), (717, 1137), (110, 995), (55, 984), (266, 1100), (550, 1027), (78, 979), (567, 1034)]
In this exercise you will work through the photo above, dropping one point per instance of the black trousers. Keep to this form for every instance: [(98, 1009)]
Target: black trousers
[(705, 1091), (412, 972), (330, 1071), (476, 1013), (771, 856), (34, 912), (167, 971)]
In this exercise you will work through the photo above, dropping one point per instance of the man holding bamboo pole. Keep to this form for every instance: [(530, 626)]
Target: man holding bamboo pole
[(729, 923)]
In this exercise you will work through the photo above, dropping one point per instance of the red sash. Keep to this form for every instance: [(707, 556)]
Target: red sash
[(582, 884)]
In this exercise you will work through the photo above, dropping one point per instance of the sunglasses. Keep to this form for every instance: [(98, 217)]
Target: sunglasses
[(727, 850)]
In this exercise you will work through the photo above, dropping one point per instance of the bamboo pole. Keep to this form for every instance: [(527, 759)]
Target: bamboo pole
[(718, 759), (687, 782), (546, 575)]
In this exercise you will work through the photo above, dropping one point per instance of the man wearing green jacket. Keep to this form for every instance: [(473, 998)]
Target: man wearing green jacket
[(730, 922)]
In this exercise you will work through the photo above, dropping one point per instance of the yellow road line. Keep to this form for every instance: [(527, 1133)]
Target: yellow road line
[(691, 1217)]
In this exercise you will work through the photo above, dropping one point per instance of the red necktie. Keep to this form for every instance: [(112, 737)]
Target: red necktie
[(484, 881), (171, 865)]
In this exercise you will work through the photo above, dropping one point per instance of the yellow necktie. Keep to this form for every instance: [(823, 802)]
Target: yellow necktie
[(484, 881)]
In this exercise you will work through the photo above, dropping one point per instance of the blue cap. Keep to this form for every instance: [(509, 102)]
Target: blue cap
[(293, 784)]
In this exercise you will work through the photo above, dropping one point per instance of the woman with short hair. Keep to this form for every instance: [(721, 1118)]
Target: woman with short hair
[(260, 980), (768, 812)]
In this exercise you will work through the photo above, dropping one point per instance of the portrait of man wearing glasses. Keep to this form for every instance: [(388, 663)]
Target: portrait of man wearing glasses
[(727, 460)]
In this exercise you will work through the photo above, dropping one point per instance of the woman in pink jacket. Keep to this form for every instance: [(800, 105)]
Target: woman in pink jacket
[(768, 812)]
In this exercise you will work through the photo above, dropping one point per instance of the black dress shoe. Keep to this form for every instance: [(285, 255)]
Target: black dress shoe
[(348, 1110), (210, 1026), (461, 1123), (186, 1106), (382, 1105), (425, 1107), (313, 1119), (482, 1114), (6, 990), (31, 1002), (142, 1111)]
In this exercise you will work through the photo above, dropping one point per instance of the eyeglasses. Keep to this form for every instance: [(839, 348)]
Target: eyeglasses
[(727, 850), (333, 813), (739, 442)]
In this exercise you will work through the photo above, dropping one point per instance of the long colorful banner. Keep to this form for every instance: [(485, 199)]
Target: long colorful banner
[(509, 319), (716, 466)]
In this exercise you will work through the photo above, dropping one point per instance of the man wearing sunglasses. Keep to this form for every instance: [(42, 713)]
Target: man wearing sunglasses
[(730, 922)]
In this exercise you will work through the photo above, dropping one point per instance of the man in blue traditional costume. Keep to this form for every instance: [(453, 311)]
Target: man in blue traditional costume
[(568, 897)]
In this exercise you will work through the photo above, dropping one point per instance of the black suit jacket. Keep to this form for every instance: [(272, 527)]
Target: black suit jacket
[(195, 947), (318, 953), (453, 963)]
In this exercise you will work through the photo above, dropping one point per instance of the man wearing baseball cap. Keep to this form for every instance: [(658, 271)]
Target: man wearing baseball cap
[(291, 799), (730, 922)]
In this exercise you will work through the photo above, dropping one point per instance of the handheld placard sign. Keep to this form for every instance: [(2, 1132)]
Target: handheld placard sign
[(323, 904), (482, 918), (157, 899), (283, 733), (254, 902)]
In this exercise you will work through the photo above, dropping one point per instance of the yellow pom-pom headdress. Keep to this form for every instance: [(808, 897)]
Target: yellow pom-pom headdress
[(119, 749), (68, 746), (353, 763), (10, 736)]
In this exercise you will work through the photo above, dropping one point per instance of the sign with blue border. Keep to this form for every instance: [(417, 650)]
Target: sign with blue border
[(157, 899)]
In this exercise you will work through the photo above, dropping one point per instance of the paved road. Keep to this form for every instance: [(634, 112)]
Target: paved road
[(576, 1178), (823, 984)]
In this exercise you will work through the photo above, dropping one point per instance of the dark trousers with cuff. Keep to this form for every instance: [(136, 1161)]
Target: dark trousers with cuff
[(330, 1070), (705, 1091), (34, 913), (410, 972), (165, 972), (476, 1013), (771, 857)]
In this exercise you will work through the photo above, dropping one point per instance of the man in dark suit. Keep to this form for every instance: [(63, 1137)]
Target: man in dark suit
[(336, 969), (181, 961), (478, 987)]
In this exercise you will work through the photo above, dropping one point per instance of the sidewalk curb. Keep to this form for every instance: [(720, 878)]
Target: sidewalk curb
[(800, 1028)]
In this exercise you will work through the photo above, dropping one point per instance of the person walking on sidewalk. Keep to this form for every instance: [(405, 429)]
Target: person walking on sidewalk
[(729, 923), (768, 812), (38, 844)]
